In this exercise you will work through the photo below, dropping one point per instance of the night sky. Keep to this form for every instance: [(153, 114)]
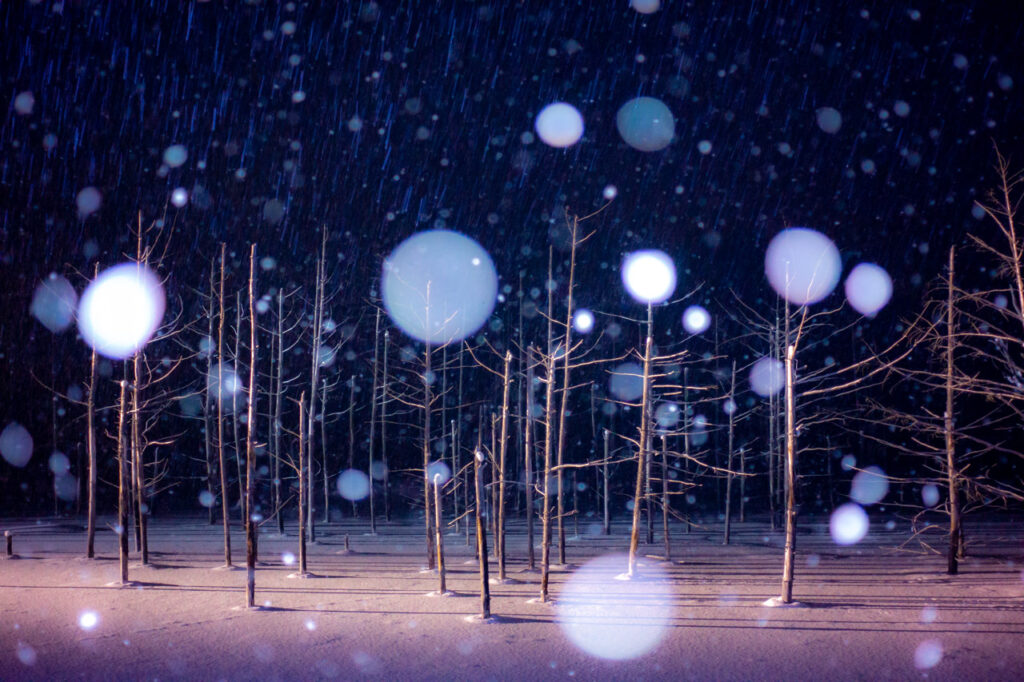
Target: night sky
[(379, 120)]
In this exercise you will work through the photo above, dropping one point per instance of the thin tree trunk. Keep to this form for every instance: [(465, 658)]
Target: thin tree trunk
[(729, 475), (604, 483), (373, 419), (951, 473), (122, 486), (788, 560), (502, 449), (351, 434), (302, 485), (528, 463), (383, 431), (141, 523), (565, 392), (90, 441), (664, 498), (207, 407), (481, 540), (318, 311), (439, 536), (234, 410), (641, 465), (545, 541), (428, 517), (323, 453), (250, 442), (278, 396), (226, 518)]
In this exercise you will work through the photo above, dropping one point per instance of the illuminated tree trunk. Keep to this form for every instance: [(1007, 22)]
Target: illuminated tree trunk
[(428, 516), (314, 382), (502, 448), (250, 443), (302, 485), (955, 548), (207, 407), (790, 551), (373, 420), (481, 539), (528, 463), (383, 430), (439, 536), (641, 465), (278, 396), (729, 475), (90, 443), (545, 540), (122, 486), (220, 414), (234, 410), (604, 483), (664, 499)]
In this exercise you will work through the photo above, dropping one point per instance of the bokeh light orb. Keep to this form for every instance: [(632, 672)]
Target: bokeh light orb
[(175, 155), (439, 472), (16, 445), (87, 620), (559, 125), (224, 385), (848, 524), (88, 201), (767, 377), (649, 276), (627, 382), (829, 120), (439, 286), (206, 499), (583, 321), (613, 619), (696, 319), (54, 303), (802, 265), (24, 103), (928, 654), (121, 310), (868, 288), (65, 487), (646, 124), (59, 463), (930, 495), (667, 415), (353, 485), (869, 486), (645, 6)]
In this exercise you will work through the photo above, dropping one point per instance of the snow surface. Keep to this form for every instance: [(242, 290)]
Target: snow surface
[(869, 611)]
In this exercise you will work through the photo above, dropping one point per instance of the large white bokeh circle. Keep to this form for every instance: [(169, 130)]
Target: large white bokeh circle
[(121, 310), (868, 288), (439, 286), (802, 265), (614, 619), (559, 125), (649, 276)]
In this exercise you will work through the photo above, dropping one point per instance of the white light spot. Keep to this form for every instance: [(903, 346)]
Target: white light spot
[(868, 288), (767, 377), (802, 265), (930, 495), (696, 319), (614, 619), (583, 321), (179, 197), (848, 525), (610, 192), (928, 654), (206, 498), (87, 620), (438, 264), (120, 310), (438, 472), (649, 276), (869, 486), (559, 125), (288, 559)]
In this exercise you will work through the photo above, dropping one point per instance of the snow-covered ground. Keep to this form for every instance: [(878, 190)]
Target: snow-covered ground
[(869, 611)]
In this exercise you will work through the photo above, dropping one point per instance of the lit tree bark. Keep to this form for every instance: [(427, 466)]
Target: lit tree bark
[(528, 463), (278, 396), (90, 442), (790, 551), (220, 413), (664, 499), (951, 469), (207, 407), (641, 465), (250, 442), (502, 448), (729, 475), (122, 486), (481, 538), (373, 419), (545, 541), (604, 483), (302, 485), (383, 430), (439, 536)]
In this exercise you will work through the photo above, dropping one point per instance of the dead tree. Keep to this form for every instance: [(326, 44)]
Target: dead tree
[(250, 443)]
